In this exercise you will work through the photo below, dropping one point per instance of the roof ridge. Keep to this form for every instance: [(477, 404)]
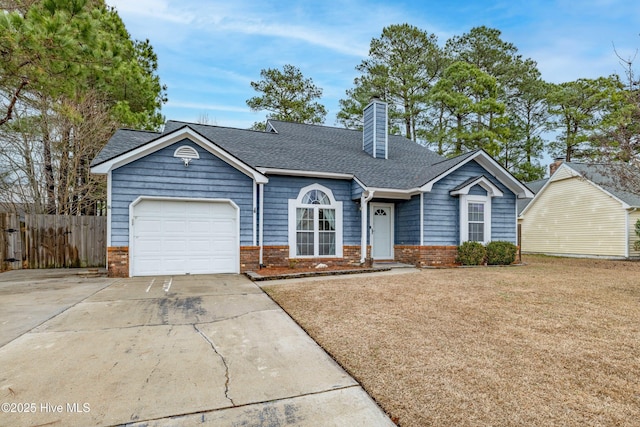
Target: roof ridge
[(315, 126), (139, 130), (334, 127), (468, 153), (215, 126)]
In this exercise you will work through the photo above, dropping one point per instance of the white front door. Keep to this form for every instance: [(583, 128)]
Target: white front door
[(381, 230)]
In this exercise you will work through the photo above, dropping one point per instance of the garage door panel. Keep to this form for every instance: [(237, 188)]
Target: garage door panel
[(149, 245), (177, 246), (174, 226), (180, 237), (145, 225), (201, 226)]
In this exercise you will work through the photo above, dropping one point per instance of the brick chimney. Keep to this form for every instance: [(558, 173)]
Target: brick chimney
[(375, 140), (553, 167)]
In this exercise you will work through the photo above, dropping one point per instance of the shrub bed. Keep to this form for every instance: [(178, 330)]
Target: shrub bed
[(501, 253), (471, 253)]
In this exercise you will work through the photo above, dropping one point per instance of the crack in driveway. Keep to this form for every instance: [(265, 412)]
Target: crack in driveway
[(224, 362)]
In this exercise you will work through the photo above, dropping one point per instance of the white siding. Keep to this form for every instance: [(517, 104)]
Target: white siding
[(573, 217)]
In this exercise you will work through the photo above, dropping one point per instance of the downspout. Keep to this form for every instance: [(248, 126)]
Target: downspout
[(261, 220), (627, 234), (421, 219), (364, 202), (109, 201), (255, 213)]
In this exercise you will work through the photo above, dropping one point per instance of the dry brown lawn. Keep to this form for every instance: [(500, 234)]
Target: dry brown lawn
[(555, 342)]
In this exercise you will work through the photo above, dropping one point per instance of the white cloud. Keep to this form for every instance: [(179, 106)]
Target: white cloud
[(152, 9), (206, 107), (323, 37)]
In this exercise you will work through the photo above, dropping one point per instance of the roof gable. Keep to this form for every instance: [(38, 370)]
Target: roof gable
[(170, 138), (594, 175), (446, 167), (482, 181)]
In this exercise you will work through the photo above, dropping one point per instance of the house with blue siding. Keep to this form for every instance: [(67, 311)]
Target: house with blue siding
[(200, 199)]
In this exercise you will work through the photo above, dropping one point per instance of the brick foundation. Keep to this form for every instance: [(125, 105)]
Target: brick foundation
[(278, 256), (118, 261), (430, 256), (423, 256), (249, 258)]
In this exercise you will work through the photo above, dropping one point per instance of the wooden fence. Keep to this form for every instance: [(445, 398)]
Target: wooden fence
[(52, 241)]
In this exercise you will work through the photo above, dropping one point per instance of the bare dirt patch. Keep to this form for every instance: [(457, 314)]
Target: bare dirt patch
[(556, 342)]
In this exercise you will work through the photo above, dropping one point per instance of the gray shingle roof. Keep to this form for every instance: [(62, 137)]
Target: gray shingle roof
[(123, 141), (313, 148), (534, 186), (610, 179)]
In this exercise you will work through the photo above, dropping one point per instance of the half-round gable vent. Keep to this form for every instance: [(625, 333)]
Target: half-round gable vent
[(186, 152)]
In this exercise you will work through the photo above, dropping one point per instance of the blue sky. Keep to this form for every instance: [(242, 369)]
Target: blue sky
[(210, 51)]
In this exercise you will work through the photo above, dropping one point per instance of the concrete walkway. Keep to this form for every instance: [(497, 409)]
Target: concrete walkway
[(165, 351)]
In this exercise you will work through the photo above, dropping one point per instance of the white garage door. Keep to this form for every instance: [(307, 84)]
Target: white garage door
[(184, 237)]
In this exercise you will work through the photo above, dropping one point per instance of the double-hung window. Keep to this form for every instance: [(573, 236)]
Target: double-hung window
[(315, 224), (475, 217), (475, 208)]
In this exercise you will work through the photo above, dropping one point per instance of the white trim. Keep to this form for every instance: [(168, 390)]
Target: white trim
[(483, 182), (421, 219), (261, 220), (293, 204), (186, 152), (311, 174), (392, 225), (516, 216), (364, 187), (393, 193), (464, 215), (109, 201), (254, 211), (364, 201), (171, 138), (484, 160), (133, 204)]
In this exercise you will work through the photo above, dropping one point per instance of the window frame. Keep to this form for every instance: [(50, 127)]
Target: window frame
[(296, 203), (465, 200)]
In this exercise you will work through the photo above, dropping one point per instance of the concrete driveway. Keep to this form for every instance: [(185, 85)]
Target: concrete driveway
[(165, 351)]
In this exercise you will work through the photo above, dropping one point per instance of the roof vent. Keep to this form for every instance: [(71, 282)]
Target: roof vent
[(186, 154)]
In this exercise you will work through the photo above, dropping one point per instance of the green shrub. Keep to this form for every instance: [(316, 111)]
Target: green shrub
[(501, 253), (471, 253)]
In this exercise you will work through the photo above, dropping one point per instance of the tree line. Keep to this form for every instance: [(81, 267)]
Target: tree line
[(70, 75), (476, 91)]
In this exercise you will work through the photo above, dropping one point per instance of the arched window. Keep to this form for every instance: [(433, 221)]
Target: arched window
[(315, 224)]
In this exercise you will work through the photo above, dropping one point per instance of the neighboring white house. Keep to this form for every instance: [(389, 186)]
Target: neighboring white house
[(581, 210)]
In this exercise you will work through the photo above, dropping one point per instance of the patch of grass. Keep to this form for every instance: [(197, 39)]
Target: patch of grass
[(556, 342)]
